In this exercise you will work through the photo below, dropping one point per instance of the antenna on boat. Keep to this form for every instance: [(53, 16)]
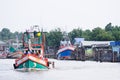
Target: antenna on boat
[(36, 27)]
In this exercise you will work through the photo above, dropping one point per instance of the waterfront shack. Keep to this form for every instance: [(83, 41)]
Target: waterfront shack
[(96, 50), (102, 52), (3, 49), (116, 50)]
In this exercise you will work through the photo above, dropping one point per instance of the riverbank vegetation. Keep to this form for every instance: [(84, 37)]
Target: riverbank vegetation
[(109, 33)]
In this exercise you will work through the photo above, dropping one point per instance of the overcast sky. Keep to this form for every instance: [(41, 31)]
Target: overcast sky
[(19, 15)]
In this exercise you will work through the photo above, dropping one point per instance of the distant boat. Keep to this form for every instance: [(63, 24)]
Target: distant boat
[(3, 55), (66, 48), (33, 52)]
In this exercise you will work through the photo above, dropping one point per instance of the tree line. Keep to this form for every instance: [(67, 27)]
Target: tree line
[(6, 34), (109, 33)]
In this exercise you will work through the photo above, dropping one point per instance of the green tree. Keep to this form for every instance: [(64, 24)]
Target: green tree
[(109, 27), (99, 34), (5, 34), (105, 36), (116, 35), (96, 33), (75, 33), (54, 37), (87, 34), (0, 36)]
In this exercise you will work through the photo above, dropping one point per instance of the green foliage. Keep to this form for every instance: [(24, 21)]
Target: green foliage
[(75, 33), (116, 35), (114, 31), (96, 33), (0, 36), (109, 27), (5, 35), (87, 34), (54, 37), (104, 36)]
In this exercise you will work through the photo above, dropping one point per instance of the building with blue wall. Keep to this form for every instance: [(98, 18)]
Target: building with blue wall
[(116, 48)]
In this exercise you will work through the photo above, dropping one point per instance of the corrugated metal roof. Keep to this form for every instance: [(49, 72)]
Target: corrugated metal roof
[(115, 43), (3, 43), (90, 43)]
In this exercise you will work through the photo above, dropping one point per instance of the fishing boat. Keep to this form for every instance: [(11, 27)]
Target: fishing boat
[(65, 49), (33, 51)]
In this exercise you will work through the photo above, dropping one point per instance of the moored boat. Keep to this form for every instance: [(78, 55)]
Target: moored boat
[(66, 48)]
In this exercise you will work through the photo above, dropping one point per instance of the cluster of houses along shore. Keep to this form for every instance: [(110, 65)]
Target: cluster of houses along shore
[(98, 50), (8, 47), (94, 50), (102, 50)]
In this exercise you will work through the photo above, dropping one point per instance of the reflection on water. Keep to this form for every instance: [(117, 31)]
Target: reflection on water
[(64, 70)]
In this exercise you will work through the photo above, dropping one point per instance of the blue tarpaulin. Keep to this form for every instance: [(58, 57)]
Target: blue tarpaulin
[(115, 43)]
